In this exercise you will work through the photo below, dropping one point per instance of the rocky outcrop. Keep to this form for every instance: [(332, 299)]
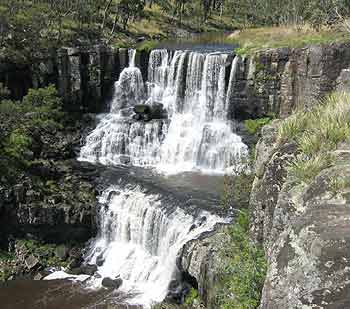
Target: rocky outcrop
[(304, 229), (84, 76), (277, 81), (200, 261)]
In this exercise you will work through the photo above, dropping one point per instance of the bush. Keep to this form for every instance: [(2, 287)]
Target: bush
[(39, 110), (243, 276), (253, 126), (237, 190), (17, 146)]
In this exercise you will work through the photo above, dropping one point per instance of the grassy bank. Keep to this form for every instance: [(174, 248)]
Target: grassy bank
[(253, 40), (317, 134)]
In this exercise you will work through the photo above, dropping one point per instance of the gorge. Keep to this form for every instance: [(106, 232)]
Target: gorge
[(158, 223), (141, 235)]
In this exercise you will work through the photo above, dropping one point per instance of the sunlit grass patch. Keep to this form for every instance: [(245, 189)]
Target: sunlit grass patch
[(255, 39), (317, 133)]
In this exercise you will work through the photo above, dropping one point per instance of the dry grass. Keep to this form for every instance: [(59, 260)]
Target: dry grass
[(253, 40), (317, 133)]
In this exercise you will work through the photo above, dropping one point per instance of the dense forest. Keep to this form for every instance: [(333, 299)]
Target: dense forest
[(27, 27)]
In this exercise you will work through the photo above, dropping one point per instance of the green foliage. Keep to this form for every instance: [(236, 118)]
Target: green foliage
[(243, 276), (291, 127), (45, 252), (147, 46), (17, 146), (339, 184), (237, 190), (304, 169), (39, 110), (192, 297), (253, 126)]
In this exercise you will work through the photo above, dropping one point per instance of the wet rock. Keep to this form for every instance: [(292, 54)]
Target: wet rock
[(100, 260), (76, 258), (19, 192), (41, 275), (88, 269), (32, 262), (125, 160), (112, 283), (146, 112)]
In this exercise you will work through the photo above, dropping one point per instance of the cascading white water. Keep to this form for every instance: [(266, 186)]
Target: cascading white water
[(132, 57), (139, 241), (198, 136), (140, 235)]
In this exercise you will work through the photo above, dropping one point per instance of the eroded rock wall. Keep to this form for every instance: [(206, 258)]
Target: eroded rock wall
[(304, 229), (278, 81), (84, 76)]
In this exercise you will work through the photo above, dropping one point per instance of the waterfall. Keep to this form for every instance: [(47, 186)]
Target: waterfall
[(132, 57), (141, 233), (197, 135), (139, 240)]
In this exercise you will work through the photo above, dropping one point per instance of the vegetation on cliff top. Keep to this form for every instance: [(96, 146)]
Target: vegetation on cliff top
[(30, 27), (293, 36), (317, 133)]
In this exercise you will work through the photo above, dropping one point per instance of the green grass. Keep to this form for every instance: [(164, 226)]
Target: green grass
[(317, 133), (252, 40)]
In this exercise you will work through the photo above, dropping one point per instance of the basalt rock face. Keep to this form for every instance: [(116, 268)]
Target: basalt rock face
[(303, 228), (54, 199), (84, 76), (277, 81), (200, 262)]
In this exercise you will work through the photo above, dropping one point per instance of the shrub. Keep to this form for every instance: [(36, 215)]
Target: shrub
[(253, 126), (17, 146), (244, 273), (39, 110), (237, 190), (192, 297)]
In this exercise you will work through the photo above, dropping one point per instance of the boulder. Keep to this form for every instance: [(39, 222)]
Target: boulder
[(100, 260), (62, 252), (88, 269), (31, 262), (148, 112), (112, 283)]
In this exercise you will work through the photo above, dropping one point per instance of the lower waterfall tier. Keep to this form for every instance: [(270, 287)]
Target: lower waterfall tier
[(139, 240)]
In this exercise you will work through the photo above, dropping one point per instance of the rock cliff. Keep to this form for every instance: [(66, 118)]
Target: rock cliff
[(84, 76), (278, 81), (304, 229)]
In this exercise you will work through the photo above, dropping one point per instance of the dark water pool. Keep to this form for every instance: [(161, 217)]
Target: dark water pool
[(57, 294)]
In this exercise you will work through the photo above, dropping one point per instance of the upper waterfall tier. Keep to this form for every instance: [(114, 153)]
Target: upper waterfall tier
[(196, 90)]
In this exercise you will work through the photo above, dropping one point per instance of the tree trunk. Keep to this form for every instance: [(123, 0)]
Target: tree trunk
[(105, 14)]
